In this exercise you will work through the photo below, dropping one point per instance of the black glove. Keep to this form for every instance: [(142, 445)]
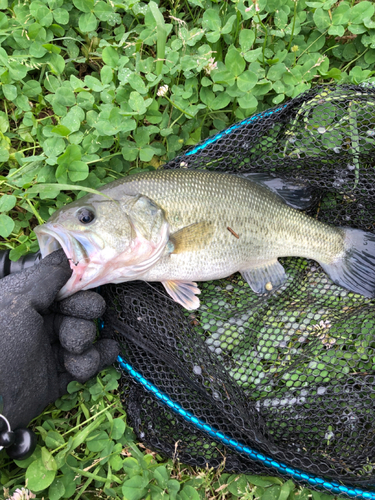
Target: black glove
[(45, 345)]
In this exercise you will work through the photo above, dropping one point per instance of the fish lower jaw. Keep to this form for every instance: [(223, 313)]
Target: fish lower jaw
[(75, 282), (87, 276)]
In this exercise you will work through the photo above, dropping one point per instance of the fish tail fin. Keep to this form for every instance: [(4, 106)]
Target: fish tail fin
[(355, 268)]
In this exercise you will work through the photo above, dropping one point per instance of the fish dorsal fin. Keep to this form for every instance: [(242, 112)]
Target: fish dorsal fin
[(183, 292), (265, 277), (295, 194), (193, 237)]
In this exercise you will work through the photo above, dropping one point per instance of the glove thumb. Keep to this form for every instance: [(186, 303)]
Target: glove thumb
[(46, 278)]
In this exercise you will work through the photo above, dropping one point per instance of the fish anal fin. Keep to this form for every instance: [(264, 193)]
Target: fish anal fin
[(265, 277), (183, 292), (193, 237)]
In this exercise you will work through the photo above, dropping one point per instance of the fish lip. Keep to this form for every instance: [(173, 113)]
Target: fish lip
[(51, 237)]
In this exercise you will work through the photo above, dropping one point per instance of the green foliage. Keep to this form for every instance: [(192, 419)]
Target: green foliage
[(81, 85), (86, 450)]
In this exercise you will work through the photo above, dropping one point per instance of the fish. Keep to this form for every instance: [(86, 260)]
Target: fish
[(181, 226)]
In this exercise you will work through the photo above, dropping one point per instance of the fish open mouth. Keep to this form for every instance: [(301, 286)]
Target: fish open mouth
[(50, 240), (82, 250)]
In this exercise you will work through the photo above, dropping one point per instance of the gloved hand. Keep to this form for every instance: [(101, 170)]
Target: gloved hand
[(45, 345)]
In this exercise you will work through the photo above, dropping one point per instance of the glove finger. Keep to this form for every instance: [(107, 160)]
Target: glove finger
[(85, 304), (108, 350), (82, 366), (76, 335), (86, 365), (40, 283)]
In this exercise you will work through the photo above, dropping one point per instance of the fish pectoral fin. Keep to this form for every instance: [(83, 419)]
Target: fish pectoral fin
[(265, 277), (194, 237), (183, 292)]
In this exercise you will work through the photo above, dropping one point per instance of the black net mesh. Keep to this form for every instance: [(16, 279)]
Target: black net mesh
[(291, 375)]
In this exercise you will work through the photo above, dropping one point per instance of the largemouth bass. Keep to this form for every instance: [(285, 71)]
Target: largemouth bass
[(183, 226)]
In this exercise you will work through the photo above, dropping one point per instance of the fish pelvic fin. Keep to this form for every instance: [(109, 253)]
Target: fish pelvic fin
[(193, 237), (265, 277), (183, 292), (354, 269)]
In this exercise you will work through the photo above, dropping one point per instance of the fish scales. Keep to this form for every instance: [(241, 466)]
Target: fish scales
[(266, 226), (183, 226)]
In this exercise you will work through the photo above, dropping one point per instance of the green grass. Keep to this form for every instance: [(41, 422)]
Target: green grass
[(87, 450)]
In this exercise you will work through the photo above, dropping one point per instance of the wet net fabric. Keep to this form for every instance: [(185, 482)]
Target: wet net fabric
[(291, 375)]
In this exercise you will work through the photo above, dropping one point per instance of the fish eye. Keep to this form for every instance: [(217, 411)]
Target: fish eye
[(85, 215)]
